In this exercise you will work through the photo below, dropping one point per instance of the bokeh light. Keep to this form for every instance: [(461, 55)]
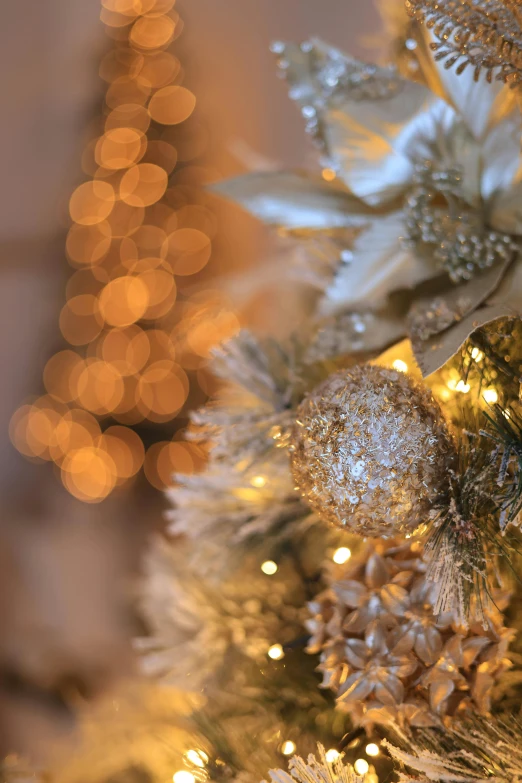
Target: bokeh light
[(123, 301), (138, 337), (120, 148), (91, 203), (163, 460), (143, 185), (172, 105)]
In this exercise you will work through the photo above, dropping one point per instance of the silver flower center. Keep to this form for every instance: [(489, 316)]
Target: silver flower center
[(462, 243)]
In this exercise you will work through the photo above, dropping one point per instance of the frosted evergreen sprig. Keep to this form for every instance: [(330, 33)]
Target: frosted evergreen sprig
[(316, 771), (266, 380), (475, 751), (463, 540), (505, 431)]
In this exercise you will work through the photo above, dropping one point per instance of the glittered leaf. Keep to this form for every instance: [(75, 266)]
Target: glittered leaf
[(357, 332), (433, 353), (369, 140), (293, 200), (379, 265), (431, 316)]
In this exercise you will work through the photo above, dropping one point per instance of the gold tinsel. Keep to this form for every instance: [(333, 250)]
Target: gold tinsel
[(370, 451), (385, 654)]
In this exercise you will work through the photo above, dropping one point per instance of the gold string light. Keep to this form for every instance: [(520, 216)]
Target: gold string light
[(141, 226), (276, 652), (269, 567), (341, 555)]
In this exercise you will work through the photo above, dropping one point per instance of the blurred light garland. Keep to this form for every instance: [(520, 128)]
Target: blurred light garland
[(141, 226)]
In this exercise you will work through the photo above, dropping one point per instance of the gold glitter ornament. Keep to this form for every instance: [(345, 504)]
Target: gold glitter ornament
[(370, 451)]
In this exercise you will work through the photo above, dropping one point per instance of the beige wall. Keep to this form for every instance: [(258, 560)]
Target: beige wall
[(64, 564)]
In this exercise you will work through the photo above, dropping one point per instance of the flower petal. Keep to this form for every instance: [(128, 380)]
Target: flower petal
[(395, 598), (501, 171), (356, 653), (376, 571), (506, 208), (356, 688), (401, 640), (418, 714), (357, 621), (471, 648), (368, 140), (452, 653), (293, 200), (481, 689), (403, 578), (428, 645), (350, 592), (375, 638), (480, 102), (440, 691), (402, 665), (365, 163), (389, 690), (379, 265), (376, 712)]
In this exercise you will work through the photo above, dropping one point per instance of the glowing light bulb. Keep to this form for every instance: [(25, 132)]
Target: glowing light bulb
[(288, 747), (275, 652), (328, 174), (399, 365), (198, 757), (258, 481), (490, 396), (462, 387), (341, 555), (332, 755), (361, 766), (183, 776), (269, 567), (372, 749)]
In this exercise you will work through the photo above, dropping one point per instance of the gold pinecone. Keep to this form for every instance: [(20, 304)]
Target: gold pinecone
[(385, 654)]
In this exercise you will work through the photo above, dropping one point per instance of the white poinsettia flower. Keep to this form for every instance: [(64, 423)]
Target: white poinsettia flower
[(426, 196)]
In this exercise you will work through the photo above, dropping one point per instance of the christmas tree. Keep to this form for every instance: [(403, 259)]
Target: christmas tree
[(340, 586)]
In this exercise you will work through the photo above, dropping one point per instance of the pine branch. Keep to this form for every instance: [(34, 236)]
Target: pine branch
[(463, 542), (505, 431), (476, 751)]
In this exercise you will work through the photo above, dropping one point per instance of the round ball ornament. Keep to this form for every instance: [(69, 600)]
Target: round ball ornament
[(370, 451)]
